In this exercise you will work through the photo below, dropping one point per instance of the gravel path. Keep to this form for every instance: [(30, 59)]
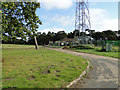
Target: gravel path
[(104, 73)]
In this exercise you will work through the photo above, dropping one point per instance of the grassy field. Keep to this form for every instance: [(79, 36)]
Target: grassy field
[(97, 50), (25, 67)]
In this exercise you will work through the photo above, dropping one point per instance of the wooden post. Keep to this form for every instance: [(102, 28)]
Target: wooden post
[(59, 44), (36, 44), (65, 43)]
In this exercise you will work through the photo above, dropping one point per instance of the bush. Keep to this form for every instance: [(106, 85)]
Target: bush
[(82, 47)]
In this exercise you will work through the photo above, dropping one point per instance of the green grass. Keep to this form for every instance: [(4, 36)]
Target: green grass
[(97, 50), (25, 67)]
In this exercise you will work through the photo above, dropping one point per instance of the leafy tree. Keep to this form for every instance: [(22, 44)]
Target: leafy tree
[(70, 35), (110, 35), (42, 39), (98, 35), (76, 32), (118, 37), (50, 36), (118, 31), (19, 19), (12, 24), (60, 35), (32, 18)]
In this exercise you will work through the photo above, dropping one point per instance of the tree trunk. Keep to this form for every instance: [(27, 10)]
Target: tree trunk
[(36, 44)]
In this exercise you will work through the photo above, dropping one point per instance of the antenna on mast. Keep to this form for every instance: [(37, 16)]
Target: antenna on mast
[(82, 18)]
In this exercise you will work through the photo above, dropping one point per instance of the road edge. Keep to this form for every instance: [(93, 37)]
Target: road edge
[(83, 73)]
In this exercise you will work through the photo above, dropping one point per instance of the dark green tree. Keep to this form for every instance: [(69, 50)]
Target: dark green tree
[(110, 35), (50, 37), (42, 39), (60, 35), (70, 35), (19, 19), (98, 35)]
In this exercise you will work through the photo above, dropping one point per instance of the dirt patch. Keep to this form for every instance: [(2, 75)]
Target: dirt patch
[(34, 64), (57, 75), (57, 71), (46, 72), (31, 70), (71, 60), (55, 78), (65, 48), (21, 57), (9, 78), (3, 65), (3, 60), (62, 61), (73, 67), (31, 77), (39, 68), (79, 67), (51, 66)]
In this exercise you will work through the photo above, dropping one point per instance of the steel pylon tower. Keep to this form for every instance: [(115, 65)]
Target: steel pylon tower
[(82, 16)]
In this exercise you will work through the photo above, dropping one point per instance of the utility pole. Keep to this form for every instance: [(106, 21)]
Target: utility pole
[(82, 18)]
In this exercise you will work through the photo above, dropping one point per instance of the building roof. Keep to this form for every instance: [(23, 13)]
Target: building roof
[(67, 39)]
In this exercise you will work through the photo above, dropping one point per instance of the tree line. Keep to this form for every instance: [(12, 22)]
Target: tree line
[(44, 38)]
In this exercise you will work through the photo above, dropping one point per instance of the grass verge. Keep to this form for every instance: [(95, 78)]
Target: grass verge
[(25, 67), (97, 51)]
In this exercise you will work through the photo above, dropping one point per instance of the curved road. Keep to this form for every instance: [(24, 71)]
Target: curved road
[(104, 73)]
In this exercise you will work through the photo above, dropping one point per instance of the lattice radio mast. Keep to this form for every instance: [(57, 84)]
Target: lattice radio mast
[(82, 17)]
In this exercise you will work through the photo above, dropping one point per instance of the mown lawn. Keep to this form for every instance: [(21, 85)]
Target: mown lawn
[(25, 67), (97, 50)]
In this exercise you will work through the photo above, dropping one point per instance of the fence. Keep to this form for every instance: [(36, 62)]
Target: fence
[(113, 42)]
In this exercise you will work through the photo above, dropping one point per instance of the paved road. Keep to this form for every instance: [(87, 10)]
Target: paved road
[(104, 73)]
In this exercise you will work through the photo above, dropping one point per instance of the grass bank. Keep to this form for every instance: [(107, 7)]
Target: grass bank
[(25, 67), (97, 51)]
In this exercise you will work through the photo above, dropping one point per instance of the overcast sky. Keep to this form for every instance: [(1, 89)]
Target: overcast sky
[(57, 15)]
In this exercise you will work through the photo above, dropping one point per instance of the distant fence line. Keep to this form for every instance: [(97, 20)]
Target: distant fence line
[(97, 43)]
